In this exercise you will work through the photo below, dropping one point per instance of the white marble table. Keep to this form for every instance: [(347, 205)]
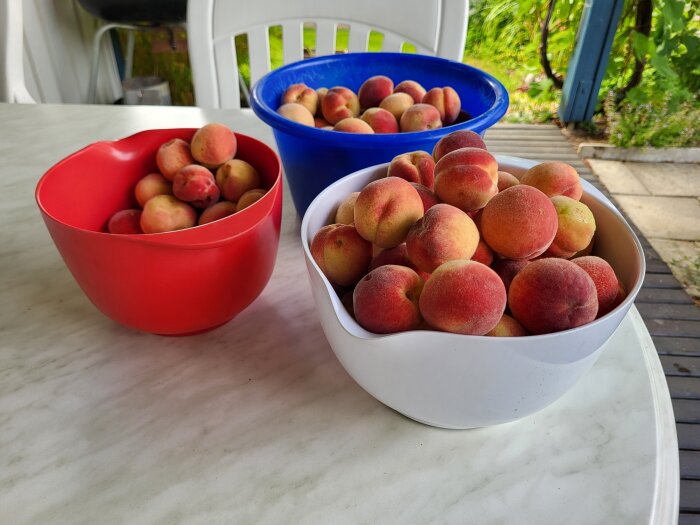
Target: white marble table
[(256, 421)]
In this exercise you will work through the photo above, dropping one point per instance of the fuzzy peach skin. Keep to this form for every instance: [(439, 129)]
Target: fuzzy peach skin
[(506, 180), (386, 209), (173, 155), (338, 103), (341, 254), (164, 213), (151, 185), (415, 166), (463, 138), (236, 177), (508, 327), (321, 92), (606, 282), (420, 117), (213, 144), (507, 269), (353, 125), (297, 113), (396, 255), (446, 101), (217, 211), (444, 233), (463, 297), (397, 104), (554, 178), (345, 214), (320, 122), (386, 300), (576, 226), (426, 195), (301, 94), (551, 295), (519, 223), (249, 197), (374, 90), (411, 87), (195, 185), (380, 120), (125, 222), (483, 253), (466, 178)]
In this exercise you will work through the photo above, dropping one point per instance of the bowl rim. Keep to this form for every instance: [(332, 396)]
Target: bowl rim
[(176, 237), (282, 124), (354, 329)]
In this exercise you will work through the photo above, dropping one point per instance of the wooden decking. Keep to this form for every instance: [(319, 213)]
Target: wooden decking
[(673, 320)]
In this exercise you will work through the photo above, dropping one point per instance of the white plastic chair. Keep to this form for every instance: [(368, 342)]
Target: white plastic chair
[(434, 27), (12, 85)]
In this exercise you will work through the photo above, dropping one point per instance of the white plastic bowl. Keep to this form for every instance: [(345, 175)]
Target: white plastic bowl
[(458, 381)]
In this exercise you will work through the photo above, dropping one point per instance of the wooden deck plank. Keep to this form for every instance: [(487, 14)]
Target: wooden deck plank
[(688, 436), (690, 496), (681, 366), (689, 519), (662, 295), (690, 464), (686, 411), (657, 280), (683, 387), (673, 327), (687, 312), (677, 346)]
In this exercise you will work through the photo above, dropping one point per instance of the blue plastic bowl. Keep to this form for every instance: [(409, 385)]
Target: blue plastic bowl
[(315, 158)]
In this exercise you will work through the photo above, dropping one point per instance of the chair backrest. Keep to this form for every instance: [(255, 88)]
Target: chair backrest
[(431, 27), (12, 85)]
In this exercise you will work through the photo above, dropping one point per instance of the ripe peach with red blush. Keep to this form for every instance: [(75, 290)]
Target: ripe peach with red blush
[(466, 178), (196, 185), (345, 214), (507, 269), (464, 297), (507, 327), (606, 282), (125, 222), (250, 197), (426, 195), (173, 155), (164, 213), (446, 101), (217, 211), (576, 226), (297, 113), (236, 177), (552, 294), (386, 299), (412, 88), (463, 138), (301, 94), (415, 166), (341, 253), (397, 104), (151, 185), (420, 117), (380, 120), (506, 180), (554, 178), (339, 103), (353, 125), (483, 253), (213, 144), (374, 90)]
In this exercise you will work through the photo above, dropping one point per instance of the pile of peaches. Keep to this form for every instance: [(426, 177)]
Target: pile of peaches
[(377, 107), (448, 242), (197, 182)]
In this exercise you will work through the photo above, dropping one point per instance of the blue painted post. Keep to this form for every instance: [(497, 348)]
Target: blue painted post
[(587, 65)]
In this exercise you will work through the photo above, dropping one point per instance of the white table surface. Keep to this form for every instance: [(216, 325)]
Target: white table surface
[(256, 421)]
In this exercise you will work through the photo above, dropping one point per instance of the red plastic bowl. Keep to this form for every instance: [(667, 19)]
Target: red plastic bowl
[(173, 283)]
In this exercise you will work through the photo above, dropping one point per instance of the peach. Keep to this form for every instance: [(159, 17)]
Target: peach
[(519, 223), (297, 113), (507, 269), (249, 197), (466, 178), (386, 300), (353, 125), (213, 144), (301, 94), (396, 255), (446, 101), (507, 327), (164, 213), (426, 195), (217, 211), (320, 122), (554, 178), (339, 103), (386, 209), (420, 117), (551, 294), (381, 120), (444, 233), (374, 90), (125, 221), (151, 185), (483, 253), (236, 177), (415, 166), (173, 155), (576, 226), (463, 297), (506, 180), (463, 138), (345, 214), (196, 185), (413, 88), (397, 104), (341, 254), (606, 283), (321, 92)]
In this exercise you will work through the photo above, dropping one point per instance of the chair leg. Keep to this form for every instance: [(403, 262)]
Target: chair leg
[(95, 62)]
